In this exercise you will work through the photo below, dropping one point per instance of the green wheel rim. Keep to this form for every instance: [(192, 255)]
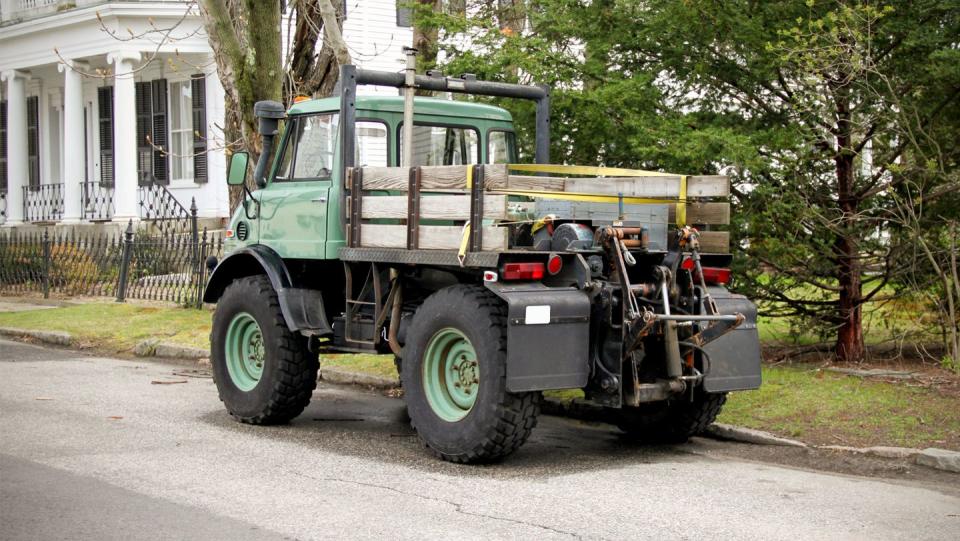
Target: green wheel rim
[(244, 351), (451, 374)]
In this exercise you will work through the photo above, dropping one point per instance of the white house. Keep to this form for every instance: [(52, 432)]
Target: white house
[(89, 87)]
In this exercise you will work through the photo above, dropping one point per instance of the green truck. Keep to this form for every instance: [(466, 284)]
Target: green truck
[(489, 281)]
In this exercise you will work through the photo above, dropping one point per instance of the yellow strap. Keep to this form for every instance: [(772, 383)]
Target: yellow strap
[(585, 170), (464, 242), (682, 204), (593, 198), (469, 177)]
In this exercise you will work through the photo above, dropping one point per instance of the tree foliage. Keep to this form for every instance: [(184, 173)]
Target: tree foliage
[(830, 116)]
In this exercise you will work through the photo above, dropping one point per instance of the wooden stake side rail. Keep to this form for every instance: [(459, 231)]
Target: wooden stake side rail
[(453, 178), (452, 193)]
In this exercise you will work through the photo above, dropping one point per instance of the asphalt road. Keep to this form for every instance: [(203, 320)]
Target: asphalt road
[(91, 449)]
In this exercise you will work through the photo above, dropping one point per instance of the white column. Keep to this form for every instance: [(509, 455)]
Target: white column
[(124, 135), (73, 160), (17, 168), (218, 205)]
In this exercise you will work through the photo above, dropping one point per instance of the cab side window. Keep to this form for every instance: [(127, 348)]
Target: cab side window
[(372, 146), (501, 147), (443, 145)]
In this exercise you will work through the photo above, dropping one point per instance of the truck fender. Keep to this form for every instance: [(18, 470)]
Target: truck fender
[(302, 308)]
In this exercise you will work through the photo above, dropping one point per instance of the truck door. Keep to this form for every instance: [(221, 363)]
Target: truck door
[(293, 206)]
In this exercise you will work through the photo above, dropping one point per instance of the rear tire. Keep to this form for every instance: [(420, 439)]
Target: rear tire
[(264, 373), (672, 421), (454, 376)]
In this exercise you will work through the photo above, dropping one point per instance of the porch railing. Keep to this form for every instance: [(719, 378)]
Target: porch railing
[(159, 206), (97, 202), (43, 203), (156, 204)]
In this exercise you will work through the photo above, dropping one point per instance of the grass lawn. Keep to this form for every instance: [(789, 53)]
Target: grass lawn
[(827, 408), (117, 327), (797, 401)]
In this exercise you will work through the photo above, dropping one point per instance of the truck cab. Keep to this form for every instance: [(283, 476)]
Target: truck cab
[(299, 211)]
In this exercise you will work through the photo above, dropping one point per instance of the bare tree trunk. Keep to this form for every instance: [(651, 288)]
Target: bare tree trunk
[(850, 347), (425, 41), (953, 295)]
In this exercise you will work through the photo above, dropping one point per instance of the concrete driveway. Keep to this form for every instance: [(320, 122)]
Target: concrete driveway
[(91, 449)]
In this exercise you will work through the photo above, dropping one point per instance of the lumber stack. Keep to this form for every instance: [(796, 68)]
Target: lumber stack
[(427, 207)]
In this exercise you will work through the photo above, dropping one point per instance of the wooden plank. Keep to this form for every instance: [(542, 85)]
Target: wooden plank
[(698, 213), (629, 187), (697, 186), (432, 237), (433, 207), (708, 186), (717, 242), (539, 184), (433, 177)]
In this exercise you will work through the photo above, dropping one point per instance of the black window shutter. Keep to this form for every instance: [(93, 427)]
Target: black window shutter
[(33, 140), (198, 87), (105, 113), (3, 146), (161, 162), (144, 101)]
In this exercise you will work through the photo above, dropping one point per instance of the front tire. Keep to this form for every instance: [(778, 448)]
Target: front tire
[(264, 373), (672, 421), (454, 374)]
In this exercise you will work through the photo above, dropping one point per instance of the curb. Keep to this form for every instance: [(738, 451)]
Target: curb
[(155, 348), (574, 409), (344, 377), (721, 431), (57, 338)]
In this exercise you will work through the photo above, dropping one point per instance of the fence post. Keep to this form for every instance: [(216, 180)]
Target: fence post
[(125, 262), (201, 269), (193, 233), (46, 263)]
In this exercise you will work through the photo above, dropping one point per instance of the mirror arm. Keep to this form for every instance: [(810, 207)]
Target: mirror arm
[(246, 209)]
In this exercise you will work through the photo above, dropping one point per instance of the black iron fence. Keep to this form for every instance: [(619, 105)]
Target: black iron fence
[(134, 264)]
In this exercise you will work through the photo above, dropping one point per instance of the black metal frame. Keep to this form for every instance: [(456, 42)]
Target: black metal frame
[(351, 77)]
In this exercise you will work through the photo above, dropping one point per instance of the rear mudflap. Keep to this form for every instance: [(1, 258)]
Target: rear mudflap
[(548, 336), (734, 358)]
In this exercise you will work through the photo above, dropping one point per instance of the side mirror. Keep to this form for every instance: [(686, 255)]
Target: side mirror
[(238, 169)]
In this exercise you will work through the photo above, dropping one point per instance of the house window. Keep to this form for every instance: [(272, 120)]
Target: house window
[(181, 130), (404, 14), (33, 141)]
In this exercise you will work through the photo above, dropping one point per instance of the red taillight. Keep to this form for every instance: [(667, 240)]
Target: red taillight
[(711, 275), (554, 264), (716, 275), (522, 271), (229, 233)]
